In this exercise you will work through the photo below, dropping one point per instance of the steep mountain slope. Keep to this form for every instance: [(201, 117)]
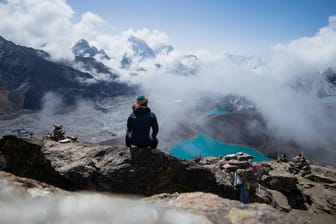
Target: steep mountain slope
[(140, 48), (97, 69), (26, 75)]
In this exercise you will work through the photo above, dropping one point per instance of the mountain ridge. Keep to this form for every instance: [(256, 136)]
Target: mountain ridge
[(26, 75)]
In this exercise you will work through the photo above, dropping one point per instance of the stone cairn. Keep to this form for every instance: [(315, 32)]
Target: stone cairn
[(233, 162), (58, 133), (241, 163), (282, 158), (299, 165)]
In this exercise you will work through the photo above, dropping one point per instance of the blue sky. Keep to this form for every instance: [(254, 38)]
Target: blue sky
[(237, 26)]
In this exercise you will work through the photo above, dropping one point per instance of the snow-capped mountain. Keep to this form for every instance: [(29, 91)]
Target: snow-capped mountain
[(138, 57), (327, 83), (188, 65), (320, 84), (250, 63), (141, 57), (126, 62), (97, 69), (235, 103), (83, 49), (140, 49), (164, 50), (89, 59)]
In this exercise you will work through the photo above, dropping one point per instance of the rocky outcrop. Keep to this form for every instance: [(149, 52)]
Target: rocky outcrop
[(299, 165), (314, 192), (195, 207), (112, 168), (84, 166), (38, 202), (28, 187), (220, 210), (30, 196)]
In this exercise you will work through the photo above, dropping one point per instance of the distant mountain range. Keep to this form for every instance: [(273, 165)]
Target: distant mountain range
[(27, 74), (139, 57)]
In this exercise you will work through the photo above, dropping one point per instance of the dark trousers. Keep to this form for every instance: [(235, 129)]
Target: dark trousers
[(152, 144)]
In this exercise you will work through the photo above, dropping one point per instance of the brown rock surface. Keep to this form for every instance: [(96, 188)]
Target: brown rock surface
[(27, 186), (315, 192), (220, 210), (83, 166)]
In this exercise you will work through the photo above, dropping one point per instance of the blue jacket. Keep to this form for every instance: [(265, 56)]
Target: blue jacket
[(139, 124)]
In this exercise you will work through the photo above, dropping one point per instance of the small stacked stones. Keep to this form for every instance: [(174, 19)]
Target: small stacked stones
[(236, 161), (299, 165), (282, 158), (58, 133), (241, 164)]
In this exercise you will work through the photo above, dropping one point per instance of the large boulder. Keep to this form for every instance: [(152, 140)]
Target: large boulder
[(84, 166)]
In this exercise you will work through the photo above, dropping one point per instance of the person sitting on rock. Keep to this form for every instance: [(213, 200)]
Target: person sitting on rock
[(139, 124)]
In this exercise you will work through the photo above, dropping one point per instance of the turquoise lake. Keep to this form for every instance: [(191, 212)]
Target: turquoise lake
[(204, 146), (217, 111)]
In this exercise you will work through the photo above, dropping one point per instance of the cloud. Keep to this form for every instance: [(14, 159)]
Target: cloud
[(153, 38), (36, 23), (306, 54), (89, 26), (47, 25)]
